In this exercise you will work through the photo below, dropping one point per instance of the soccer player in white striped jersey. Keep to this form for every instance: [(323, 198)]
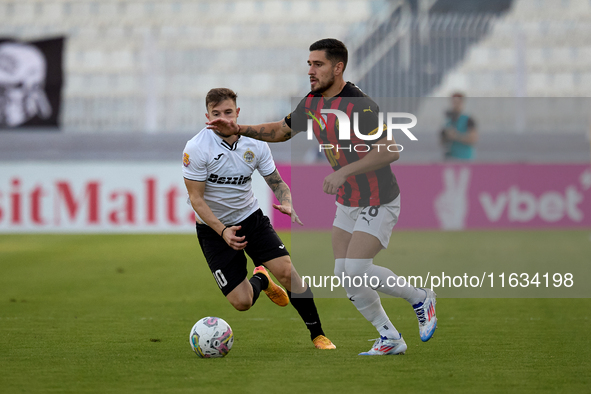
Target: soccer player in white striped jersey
[(217, 171)]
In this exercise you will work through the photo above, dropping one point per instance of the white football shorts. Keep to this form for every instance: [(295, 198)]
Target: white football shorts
[(377, 221)]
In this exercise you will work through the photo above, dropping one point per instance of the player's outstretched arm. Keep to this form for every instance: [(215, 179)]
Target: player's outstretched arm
[(377, 158), (283, 194), (269, 132), (196, 191)]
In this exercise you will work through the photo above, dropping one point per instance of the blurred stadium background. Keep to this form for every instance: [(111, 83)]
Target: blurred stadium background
[(135, 74), (111, 312), (138, 70)]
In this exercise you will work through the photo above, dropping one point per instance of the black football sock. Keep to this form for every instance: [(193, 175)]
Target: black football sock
[(258, 282), (304, 304)]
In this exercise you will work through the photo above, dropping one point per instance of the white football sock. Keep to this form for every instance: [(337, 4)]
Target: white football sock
[(388, 280), (339, 267), (367, 301)]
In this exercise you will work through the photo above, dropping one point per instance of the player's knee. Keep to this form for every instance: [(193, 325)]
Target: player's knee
[(242, 305), (339, 272), (354, 267), (339, 268), (241, 302), (284, 274)]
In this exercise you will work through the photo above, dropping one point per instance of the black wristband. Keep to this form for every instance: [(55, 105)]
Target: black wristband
[(222, 233)]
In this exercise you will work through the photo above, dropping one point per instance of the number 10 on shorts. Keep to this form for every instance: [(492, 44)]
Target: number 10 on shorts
[(220, 278)]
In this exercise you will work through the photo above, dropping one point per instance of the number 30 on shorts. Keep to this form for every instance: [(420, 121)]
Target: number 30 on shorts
[(220, 278)]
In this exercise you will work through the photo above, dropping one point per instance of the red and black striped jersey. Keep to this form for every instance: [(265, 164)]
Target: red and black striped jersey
[(372, 188)]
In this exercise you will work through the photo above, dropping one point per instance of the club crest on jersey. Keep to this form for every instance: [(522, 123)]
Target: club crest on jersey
[(248, 156), (186, 160)]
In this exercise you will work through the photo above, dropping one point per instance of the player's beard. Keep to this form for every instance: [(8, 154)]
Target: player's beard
[(321, 88)]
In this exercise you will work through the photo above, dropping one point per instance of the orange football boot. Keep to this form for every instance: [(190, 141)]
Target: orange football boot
[(322, 342), (273, 291)]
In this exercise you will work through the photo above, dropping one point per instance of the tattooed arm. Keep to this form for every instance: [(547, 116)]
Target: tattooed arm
[(270, 132), (283, 194), (280, 188)]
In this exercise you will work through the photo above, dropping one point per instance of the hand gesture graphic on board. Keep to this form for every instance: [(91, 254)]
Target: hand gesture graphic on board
[(451, 205)]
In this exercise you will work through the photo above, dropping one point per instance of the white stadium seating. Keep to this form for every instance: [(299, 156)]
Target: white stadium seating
[(551, 36), (130, 54), (174, 51)]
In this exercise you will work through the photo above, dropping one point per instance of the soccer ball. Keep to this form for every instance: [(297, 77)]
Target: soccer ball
[(211, 337)]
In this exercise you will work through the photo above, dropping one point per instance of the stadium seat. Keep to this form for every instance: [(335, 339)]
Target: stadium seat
[(21, 12), (329, 7), (564, 83), (48, 11), (584, 84), (122, 59), (303, 11), (277, 10), (536, 83), (583, 56), (358, 10), (244, 11), (555, 40)]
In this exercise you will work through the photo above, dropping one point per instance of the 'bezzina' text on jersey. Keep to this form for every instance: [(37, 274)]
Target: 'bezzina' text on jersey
[(227, 171), (369, 189)]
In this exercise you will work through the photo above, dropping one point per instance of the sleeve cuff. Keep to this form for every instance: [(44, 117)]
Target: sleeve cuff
[(274, 169), (196, 180)]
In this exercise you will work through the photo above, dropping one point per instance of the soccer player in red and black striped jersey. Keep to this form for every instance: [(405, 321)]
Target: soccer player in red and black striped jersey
[(372, 188), (368, 196)]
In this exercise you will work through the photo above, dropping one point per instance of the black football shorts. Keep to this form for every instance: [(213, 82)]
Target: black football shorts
[(227, 265)]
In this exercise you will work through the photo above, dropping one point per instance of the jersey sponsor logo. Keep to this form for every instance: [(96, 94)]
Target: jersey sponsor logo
[(186, 160), (318, 118), (228, 180), (248, 156)]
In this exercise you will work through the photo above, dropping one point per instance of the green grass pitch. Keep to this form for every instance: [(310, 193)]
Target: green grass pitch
[(112, 313)]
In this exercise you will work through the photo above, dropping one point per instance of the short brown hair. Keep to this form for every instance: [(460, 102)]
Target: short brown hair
[(217, 95)]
